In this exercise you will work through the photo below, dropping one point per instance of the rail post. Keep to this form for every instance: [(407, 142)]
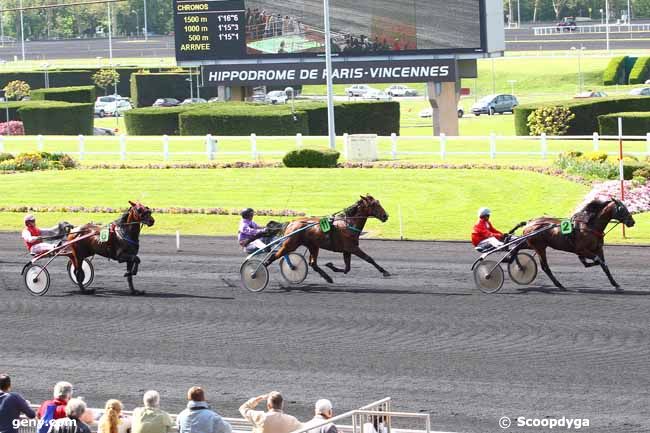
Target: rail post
[(210, 146), (544, 144), (299, 140), (39, 141), (596, 141), (81, 147), (493, 145), (2, 143), (443, 145), (123, 147), (166, 147), (254, 146), (393, 145)]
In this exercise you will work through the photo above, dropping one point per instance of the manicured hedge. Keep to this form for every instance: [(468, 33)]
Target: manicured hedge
[(634, 123), (57, 118), (311, 158), (57, 78), (382, 118), (80, 94), (147, 87), (154, 120), (641, 71), (586, 112), (613, 73)]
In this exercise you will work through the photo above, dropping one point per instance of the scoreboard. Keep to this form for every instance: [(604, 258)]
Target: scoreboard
[(209, 29)]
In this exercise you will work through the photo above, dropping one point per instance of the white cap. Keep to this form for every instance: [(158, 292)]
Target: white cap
[(323, 406), (29, 217), (484, 212)]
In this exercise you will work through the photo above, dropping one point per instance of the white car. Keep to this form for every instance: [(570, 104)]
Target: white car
[(192, 101), (377, 95), (397, 90), (358, 90), (111, 105), (428, 112), (276, 97), (643, 91)]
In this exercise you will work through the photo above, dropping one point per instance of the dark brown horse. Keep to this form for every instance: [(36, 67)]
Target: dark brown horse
[(587, 238), (122, 244), (343, 236)]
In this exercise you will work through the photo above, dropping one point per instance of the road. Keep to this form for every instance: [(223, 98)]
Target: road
[(426, 337)]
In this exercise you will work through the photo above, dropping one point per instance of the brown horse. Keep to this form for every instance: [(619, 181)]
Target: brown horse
[(587, 238), (343, 237), (122, 244)]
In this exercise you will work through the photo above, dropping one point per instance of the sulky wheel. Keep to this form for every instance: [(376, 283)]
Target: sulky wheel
[(293, 268), (37, 280), (254, 275), (89, 272), (523, 269), (488, 276)]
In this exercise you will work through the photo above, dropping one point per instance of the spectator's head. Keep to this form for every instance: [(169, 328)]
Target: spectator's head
[(323, 407), (5, 383), (63, 391), (75, 408), (196, 393), (274, 401), (111, 417), (151, 399)]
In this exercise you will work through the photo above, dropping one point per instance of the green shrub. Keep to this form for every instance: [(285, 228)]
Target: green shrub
[(154, 120), (593, 165), (17, 90), (595, 156), (613, 72), (641, 71), (80, 94), (634, 123), (643, 172), (381, 118), (311, 158), (147, 87), (550, 120), (6, 156), (57, 118)]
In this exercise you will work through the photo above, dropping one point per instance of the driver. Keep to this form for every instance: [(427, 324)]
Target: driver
[(249, 232), (33, 236), (484, 232)]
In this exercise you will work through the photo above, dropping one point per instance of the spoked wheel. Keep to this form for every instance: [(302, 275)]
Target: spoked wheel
[(89, 272), (523, 269), (37, 280), (254, 275), (488, 276), (293, 268)]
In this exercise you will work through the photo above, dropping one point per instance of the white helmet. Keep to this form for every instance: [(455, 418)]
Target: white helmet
[(483, 212), (29, 218)]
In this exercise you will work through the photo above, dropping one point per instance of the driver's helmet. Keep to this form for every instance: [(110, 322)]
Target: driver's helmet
[(247, 213), (29, 218), (484, 212)]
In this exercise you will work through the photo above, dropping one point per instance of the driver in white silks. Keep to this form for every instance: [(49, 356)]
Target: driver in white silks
[(249, 232), (484, 232), (33, 236)]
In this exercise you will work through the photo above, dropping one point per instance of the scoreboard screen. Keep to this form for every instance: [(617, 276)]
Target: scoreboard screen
[(210, 30)]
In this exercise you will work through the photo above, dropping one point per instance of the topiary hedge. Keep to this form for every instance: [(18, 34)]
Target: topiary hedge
[(586, 112), (147, 87), (634, 123), (613, 73), (154, 120), (57, 118), (641, 71), (311, 158), (381, 118), (80, 94)]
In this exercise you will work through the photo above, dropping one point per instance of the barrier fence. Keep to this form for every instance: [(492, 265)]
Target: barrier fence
[(593, 28), (254, 147)]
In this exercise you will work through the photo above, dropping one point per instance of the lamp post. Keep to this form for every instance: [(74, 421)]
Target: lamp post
[(607, 23), (110, 36), (518, 15), (137, 22), (46, 75), (290, 92), (331, 127), (580, 82), (145, 21), (512, 86), (2, 30), (22, 31), (602, 18)]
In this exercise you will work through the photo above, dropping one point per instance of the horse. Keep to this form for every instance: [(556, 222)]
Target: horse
[(122, 243), (587, 238), (343, 237)]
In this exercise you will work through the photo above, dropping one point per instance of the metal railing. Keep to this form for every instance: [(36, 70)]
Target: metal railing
[(592, 28)]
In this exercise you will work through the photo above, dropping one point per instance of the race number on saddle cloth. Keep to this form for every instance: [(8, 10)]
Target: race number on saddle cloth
[(249, 232), (484, 232), (33, 236)]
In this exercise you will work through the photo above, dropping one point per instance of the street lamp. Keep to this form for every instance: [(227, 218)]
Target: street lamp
[(602, 18), (580, 82), (512, 86), (191, 81), (137, 22), (328, 79), (146, 32), (110, 35), (46, 75), (22, 31), (607, 23), (290, 92)]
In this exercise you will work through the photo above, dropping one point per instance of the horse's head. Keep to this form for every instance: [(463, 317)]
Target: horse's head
[(371, 207), (140, 213), (621, 213)]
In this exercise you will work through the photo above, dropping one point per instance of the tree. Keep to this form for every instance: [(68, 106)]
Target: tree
[(105, 78), (17, 89)]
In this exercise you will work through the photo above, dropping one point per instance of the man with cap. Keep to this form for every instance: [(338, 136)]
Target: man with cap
[(484, 232), (33, 236), (323, 410), (249, 232)]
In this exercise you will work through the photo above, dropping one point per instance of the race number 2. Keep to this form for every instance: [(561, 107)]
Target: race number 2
[(566, 228)]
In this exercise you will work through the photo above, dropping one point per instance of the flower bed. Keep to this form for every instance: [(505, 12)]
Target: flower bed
[(159, 210), (13, 127), (637, 195), (36, 161)]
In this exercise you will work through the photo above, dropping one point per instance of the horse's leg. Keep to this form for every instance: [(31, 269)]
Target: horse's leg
[(131, 270), (547, 270), (347, 257), (359, 253), (79, 273), (584, 261), (600, 259), (313, 262)]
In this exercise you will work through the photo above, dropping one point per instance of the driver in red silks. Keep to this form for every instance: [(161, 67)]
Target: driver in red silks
[(484, 232), (33, 236)]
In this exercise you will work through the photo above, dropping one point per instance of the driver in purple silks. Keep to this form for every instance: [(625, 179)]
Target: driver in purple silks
[(248, 230)]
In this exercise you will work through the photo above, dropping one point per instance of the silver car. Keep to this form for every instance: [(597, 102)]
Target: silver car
[(493, 104)]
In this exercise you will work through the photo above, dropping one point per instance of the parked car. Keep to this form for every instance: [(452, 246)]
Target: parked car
[(642, 91), (357, 90), (276, 97), (192, 101), (215, 99), (397, 90), (103, 131), (377, 95), (493, 104), (111, 105), (166, 102), (590, 94), (568, 24), (428, 112)]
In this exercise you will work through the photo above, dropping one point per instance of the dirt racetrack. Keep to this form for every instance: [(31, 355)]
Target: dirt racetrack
[(426, 337)]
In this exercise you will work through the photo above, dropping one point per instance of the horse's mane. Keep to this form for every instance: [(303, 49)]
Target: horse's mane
[(122, 219), (592, 209)]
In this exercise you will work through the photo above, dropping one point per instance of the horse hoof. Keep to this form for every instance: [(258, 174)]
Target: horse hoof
[(618, 288), (387, 274), (137, 292), (88, 292)]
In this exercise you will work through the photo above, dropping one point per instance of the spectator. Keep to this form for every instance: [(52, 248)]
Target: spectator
[(198, 418), (112, 421), (150, 419), (323, 411), (272, 421), (62, 393), (72, 422), (11, 406), (375, 425)]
